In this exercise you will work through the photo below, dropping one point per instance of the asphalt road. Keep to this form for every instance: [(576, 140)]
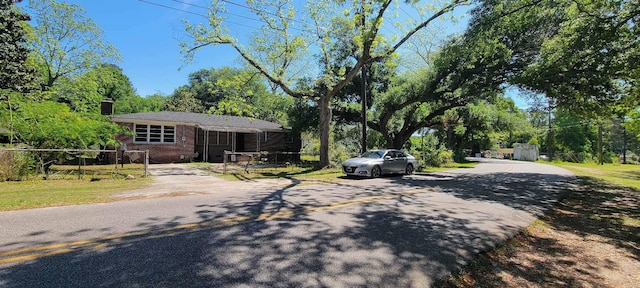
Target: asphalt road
[(387, 232)]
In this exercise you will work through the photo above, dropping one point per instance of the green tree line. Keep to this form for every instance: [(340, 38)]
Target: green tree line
[(577, 58)]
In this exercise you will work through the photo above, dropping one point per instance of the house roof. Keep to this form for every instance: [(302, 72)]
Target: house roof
[(204, 121)]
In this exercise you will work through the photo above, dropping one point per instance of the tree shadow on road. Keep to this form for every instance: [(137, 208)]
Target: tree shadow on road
[(589, 238), (389, 232)]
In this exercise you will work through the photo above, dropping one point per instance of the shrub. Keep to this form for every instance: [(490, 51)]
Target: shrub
[(338, 154), (429, 151), (571, 156), (14, 165)]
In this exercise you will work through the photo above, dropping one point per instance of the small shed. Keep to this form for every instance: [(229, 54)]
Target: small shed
[(525, 152)]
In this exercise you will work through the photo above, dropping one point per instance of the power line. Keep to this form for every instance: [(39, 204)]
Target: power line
[(272, 14), (173, 8), (246, 17), (224, 12), (194, 13)]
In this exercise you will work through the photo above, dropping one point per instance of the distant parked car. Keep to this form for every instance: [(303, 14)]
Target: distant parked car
[(374, 163)]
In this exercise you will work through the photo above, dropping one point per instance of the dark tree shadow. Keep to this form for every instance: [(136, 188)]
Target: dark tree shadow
[(387, 232), (592, 209)]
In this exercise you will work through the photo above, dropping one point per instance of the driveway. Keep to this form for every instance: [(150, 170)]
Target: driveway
[(186, 179), (386, 232)]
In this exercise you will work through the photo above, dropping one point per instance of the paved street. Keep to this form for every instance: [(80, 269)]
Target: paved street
[(387, 232)]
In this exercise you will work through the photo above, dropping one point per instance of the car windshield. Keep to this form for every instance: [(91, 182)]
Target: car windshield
[(372, 154)]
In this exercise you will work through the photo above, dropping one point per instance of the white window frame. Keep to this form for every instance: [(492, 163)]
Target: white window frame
[(164, 133)]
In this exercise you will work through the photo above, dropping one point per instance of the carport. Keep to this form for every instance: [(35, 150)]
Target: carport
[(212, 140)]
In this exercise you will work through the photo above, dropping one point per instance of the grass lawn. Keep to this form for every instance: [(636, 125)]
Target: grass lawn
[(64, 187), (625, 175), (308, 173)]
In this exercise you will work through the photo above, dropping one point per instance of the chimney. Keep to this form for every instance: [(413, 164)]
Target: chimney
[(106, 107)]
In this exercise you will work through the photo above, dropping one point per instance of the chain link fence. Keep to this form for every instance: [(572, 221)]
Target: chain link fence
[(18, 164)]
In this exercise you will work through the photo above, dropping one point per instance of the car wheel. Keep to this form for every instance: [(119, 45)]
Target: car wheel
[(375, 172), (409, 170)]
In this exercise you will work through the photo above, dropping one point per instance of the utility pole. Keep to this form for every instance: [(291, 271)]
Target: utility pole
[(363, 94), (550, 136), (363, 87), (624, 142)]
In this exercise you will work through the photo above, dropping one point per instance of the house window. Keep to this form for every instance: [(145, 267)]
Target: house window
[(222, 138), (155, 134)]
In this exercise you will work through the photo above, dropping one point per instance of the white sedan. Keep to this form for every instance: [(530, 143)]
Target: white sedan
[(374, 163)]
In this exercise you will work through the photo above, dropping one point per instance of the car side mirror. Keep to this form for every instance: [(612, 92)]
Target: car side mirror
[(387, 158)]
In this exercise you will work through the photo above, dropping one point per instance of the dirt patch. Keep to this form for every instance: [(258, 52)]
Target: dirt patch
[(590, 239)]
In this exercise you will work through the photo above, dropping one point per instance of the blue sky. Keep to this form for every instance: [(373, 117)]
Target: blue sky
[(147, 37)]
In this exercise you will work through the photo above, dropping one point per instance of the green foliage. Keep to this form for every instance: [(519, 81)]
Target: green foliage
[(339, 154), (590, 61), (137, 104), (15, 73), (485, 125), (633, 125), (65, 42), (14, 166), (235, 107), (311, 144), (183, 100), (574, 139), (80, 93), (429, 151), (231, 91), (303, 116), (583, 54), (273, 107), (83, 93), (463, 71), (347, 143), (111, 82), (53, 125)]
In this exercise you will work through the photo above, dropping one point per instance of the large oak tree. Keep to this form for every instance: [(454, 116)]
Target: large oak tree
[(280, 50)]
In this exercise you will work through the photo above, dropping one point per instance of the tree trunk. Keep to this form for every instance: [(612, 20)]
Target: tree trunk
[(600, 156), (397, 140), (451, 137), (624, 143), (325, 123)]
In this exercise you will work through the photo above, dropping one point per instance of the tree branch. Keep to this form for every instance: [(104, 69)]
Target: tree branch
[(415, 30), (278, 82)]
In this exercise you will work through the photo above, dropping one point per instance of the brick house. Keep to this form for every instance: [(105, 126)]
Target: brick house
[(183, 137)]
